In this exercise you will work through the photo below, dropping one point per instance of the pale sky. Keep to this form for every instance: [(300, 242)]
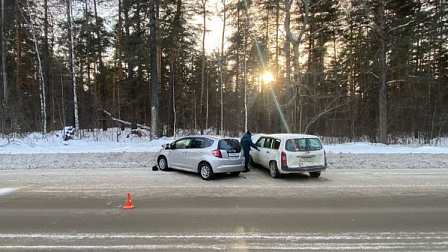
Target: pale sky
[(214, 25)]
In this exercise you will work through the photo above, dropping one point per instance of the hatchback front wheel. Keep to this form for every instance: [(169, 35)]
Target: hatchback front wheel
[(163, 164)]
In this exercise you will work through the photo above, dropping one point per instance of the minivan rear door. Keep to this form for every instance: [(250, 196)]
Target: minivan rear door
[(231, 151), (304, 152)]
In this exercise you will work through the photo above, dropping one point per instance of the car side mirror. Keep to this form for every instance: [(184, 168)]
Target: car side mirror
[(168, 147)]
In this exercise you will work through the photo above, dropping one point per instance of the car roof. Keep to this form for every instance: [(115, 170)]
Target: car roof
[(289, 136), (207, 136)]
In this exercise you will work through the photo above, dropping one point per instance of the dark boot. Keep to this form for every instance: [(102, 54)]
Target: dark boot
[(246, 168)]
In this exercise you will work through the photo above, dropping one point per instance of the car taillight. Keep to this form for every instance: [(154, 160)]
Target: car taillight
[(217, 153), (242, 154), (325, 156), (283, 158)]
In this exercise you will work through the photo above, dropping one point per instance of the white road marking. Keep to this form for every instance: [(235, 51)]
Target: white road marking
[(117, 247), (5, 191), (289, 241), (231, 236)]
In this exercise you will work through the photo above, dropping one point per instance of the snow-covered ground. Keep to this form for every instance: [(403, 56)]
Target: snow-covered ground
[(120, 149), (115, 140)]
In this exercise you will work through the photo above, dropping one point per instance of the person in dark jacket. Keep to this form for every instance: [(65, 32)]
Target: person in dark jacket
[(246, 143)]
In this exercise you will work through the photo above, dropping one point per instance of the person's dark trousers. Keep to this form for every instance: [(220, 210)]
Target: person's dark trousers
[(246, 160)]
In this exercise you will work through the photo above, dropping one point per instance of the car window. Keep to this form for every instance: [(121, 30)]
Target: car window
[(198, 143), (182, 143), (208, 142), (276, 145), (313, 144), (303, 144), (229, 145), (260, 142), (267, 143)]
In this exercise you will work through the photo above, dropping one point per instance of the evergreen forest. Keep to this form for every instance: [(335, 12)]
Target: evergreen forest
[(346, 69)]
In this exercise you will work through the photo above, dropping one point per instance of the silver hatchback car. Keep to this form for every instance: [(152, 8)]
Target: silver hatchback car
[(205, 155)]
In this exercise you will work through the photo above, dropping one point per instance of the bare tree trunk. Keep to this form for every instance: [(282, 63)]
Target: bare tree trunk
[(296, 41), (19, 53), (221, 61), (45, 50), (277, 52), (245, 80), (120, 55), (4, 52), (207, 102), (238, 89), (41, 81), (159, 58), (100, 75), (155, 91), (204, 9), (72, 67), (383, 74), (173, 66), (289, 94)]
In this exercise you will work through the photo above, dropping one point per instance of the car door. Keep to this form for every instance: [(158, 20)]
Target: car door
[(177, 154), (193, 154), (256, 154), (274, 153), (265, 152)]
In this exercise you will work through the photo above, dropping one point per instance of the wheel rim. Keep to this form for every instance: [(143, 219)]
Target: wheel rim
[(162, 164), (272, 169), (205, 171)]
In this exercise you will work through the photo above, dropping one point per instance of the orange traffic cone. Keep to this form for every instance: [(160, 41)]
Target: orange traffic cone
[(128, 203)]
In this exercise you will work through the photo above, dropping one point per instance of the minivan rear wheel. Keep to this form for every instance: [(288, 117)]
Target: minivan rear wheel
[(206, 172), (273, 170), (315, 174)]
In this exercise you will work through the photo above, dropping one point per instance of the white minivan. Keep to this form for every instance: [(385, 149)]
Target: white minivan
[(290, 153)]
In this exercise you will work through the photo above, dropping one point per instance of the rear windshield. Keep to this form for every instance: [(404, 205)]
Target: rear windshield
[(229, 145), (303, 144)]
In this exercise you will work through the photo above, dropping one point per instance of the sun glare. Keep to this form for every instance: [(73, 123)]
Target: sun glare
[(267, 77)]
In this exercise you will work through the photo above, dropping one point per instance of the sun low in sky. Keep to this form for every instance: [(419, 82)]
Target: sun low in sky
[(267, 77)]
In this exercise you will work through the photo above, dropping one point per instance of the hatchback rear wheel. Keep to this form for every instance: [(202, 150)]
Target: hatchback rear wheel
[(273, 170), (206, 172)]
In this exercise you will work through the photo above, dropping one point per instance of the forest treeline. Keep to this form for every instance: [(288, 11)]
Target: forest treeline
[(348, 68)]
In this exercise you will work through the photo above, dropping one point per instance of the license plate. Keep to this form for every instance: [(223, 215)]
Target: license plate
[(306, 160), (234, 155)]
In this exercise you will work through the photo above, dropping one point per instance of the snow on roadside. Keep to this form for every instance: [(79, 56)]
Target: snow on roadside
[(384, 149), (115, 141)]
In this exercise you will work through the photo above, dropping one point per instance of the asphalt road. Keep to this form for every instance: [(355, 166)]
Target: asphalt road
[(343, 210)]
